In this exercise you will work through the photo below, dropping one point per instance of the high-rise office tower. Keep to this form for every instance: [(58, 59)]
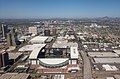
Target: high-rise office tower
[(11, 38), (3, 59), (4, 31), (0, 60)]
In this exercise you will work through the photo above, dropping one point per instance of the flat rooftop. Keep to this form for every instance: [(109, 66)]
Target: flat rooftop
[(11, 48), (62, 42), (117, 51), (102, 54), (14, 55), (74, 52), (38, 39), (117, 76), (107, 60), (14, 76)]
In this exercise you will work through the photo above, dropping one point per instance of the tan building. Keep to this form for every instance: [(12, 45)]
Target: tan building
[(11, 39), (33, 30)]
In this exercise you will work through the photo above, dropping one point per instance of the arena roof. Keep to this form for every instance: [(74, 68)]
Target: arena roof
[(36, 51), (53, 62), (30, 47)]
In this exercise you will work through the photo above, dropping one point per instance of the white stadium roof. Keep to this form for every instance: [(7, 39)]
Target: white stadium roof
[(35, 52), (30, 48), (53, 60)]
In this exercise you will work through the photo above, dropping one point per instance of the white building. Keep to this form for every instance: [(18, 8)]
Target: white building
[(38, 40), (109, 67), (73, 55), (33, 30)]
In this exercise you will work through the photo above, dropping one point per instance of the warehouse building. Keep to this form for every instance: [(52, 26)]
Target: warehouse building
[(15, 76), (106, 60), (102, 54), (38, 40), (108, 67), (62, 42), (117, 76), (14, 57), (117, 51)]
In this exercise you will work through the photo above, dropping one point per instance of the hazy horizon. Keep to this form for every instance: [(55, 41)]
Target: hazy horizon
[(20, 9)]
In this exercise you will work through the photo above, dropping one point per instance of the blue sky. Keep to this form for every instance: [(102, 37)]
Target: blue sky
[(59, 8)]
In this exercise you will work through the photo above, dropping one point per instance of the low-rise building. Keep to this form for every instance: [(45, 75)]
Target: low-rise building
[(15, 76), (38, 40), (14, 57)]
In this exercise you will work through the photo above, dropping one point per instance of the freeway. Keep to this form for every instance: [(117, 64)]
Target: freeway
[(87, 73)]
